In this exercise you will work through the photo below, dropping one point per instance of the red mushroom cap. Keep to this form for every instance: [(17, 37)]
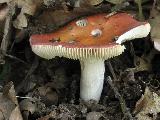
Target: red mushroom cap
[(92, 36)]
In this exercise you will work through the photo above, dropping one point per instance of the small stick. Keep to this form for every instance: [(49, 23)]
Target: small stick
[(7, 31), (124, 108), (30, 72), (15, 58), (153, 9), (111, 70), (24, 97), (140, 14)]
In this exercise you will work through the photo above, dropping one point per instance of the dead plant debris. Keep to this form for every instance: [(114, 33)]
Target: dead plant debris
[(45, 90)]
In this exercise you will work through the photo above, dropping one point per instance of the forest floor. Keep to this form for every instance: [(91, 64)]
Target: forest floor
[(33, 88)]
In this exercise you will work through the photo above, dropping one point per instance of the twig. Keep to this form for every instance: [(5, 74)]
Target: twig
[(111, 70), (15, 58), (12, 57), (25, 97), (31, 70), (140, 14), (7, 31), (153, 9), (124, 108)]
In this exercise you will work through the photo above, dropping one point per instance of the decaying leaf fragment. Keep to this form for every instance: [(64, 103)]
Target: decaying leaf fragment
[(115, 1), (155, 30), (27, 107), (27, 7), (3, 13), (21, 21), (4, 1), (148, 106), (94, 115), (9, 108), (94, 2), (85, 3)]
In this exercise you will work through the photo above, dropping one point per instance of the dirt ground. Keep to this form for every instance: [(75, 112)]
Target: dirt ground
[(33, 88)]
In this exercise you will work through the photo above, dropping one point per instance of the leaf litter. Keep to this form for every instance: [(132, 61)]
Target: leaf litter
[(47, 90)]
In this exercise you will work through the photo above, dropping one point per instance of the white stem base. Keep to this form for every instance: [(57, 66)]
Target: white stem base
[(92, 78)]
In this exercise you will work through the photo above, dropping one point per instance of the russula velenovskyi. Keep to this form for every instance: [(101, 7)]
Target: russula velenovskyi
[(92, 41)]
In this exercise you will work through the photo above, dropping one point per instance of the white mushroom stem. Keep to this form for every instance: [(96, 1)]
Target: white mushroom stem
[(92, 78)]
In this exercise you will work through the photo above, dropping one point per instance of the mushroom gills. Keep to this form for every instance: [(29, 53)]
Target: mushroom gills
[(50, 51)]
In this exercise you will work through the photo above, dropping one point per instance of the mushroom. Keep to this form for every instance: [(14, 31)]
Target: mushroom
[(92, 40)]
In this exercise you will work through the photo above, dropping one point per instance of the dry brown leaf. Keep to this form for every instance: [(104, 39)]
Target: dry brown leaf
[(53, 115), (16, 114), (94, 2), (50, 17), (27, 7), (6, 107), (94, 116), (43, 90), (2, 116), (3, 13), (141, 64), (155, 30), (48, 20), (49, 2), (30, 6), (8, 104), (148, 104), (10, 93), (27, 107), (48, 95), (115, 1), (20, 22), (4, 1)]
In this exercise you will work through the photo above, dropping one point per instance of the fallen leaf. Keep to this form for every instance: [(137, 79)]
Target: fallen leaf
[(9, 104), (16, 114), (30, 7), (27, 7), (48, 96), (141, 64), (115, 1), (155, 29), (20, 22), (49, 2), (94, 116), (6, 107), (27, 107), (53, 115), (94, 2), (4, 1), (9, 92), (3, 13), (148, 104)]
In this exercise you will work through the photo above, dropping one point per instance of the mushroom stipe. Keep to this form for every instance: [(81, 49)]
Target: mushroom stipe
[(92, 41)]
